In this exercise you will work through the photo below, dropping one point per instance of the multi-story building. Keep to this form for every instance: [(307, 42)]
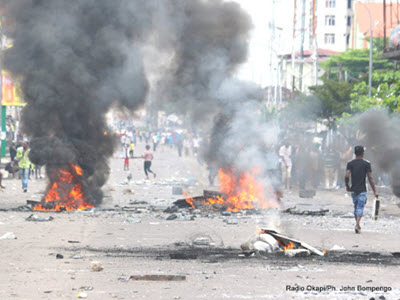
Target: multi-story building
[(333, 24)]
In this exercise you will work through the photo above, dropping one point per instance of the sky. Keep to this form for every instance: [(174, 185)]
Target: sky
[(258, 67)]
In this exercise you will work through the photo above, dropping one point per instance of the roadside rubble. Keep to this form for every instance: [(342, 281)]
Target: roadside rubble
[(268, 241), (96, 266), (36, 218), (8, 236)]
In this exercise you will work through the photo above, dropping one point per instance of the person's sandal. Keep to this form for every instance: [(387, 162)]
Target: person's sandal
[(358, 230)]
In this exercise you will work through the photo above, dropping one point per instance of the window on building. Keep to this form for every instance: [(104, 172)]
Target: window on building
[(347, 40), (348, 21), (348, 3), (329, 20), (330, 3), (329, 38)]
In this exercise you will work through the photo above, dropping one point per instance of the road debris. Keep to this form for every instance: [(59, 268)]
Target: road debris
[(8, 236), (158, 277), (96, 266), (36, 218)]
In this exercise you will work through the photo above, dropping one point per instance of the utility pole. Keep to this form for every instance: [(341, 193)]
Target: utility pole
[(293, 47), (303, 24), (3, 135), (384, 24), (315, 43), (370, 46)]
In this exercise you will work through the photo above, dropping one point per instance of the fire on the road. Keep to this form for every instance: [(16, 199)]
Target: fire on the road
[(242, 191), (65, 192)]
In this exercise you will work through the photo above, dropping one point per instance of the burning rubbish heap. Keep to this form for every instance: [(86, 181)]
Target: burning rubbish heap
[(237, 192), (267, 241), (65, 191)]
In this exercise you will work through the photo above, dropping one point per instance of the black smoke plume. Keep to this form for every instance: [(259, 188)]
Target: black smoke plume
[(78, 58), (75, 59), (381, 131)]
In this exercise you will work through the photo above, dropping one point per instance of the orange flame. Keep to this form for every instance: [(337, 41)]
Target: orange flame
[(242, 192), (65, 192), (288, 246)]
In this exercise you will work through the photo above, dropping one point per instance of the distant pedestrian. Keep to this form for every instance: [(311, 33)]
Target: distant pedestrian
[(126, 163), (358, 169), (331, 164), (13, 151), (285, 154), (12, 168), (196, 145), (148, 157), (131, 149), (24, 164)]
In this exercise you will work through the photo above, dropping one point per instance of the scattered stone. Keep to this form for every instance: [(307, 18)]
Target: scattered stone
[(231, 221), (226, 213), (348, 216), (171, 209), (203, 241), (36, 218), (59, 256), (337, 248), (248, 246), (138, 202), (297, 252), (8, 236), (86, 288), (133, 220), (74, 242), (96, 266), (128, 191), (172, 217), (77, 257), (82, 295)]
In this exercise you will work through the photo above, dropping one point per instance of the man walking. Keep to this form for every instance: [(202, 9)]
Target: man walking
[(359, 169), (24, 164)]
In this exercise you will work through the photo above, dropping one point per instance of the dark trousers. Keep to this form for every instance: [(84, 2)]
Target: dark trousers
[(147, 166)]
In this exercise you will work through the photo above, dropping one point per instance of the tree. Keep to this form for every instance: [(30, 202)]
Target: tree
[(334, 97), (355, 62), (385, 93)]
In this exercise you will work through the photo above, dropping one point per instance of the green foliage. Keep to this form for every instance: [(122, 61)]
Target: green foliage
[(355, 62), (385, 93), (378, 44), (334, 97)]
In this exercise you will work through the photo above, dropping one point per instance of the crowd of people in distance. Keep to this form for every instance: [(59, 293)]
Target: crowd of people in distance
[(315, 165), (186, 144)]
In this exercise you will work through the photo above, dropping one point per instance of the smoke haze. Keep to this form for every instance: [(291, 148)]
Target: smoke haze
[(380, 130), (78, 58)]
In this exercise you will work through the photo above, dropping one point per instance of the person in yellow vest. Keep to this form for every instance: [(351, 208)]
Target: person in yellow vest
[(24, 164), (131, 149)]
